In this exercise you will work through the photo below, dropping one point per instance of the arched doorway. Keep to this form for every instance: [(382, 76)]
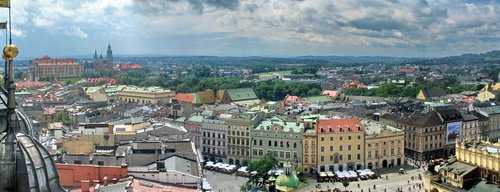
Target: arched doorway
[(237, 162), (384, 163), (230, 161)]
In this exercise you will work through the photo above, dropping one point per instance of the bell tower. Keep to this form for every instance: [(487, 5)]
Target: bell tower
[(109, 58)]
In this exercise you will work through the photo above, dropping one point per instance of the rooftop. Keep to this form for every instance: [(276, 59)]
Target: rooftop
[(340, 125), (146, 89), (286, 126)]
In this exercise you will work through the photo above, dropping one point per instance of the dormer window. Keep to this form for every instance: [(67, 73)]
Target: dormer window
[(321, 130)]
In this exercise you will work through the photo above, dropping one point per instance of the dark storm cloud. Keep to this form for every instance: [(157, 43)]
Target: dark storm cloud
[(158, 7), (376, 24)]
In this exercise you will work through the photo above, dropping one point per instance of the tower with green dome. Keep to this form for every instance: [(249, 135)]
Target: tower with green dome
[(288, 181)]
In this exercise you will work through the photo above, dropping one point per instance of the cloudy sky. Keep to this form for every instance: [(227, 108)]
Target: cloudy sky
[(413, 28)]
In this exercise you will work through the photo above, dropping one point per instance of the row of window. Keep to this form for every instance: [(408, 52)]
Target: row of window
[(276, 153), (384, 143), (214, 135), (217, 151), (384, 154), (286, 144), (214, 142), (336, 158), (341, 148), (341, 138)]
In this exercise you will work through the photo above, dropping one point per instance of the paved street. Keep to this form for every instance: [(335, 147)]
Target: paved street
[(231, 183)]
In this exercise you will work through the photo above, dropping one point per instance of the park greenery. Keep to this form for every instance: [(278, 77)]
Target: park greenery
[(449, 84), (60, 116)]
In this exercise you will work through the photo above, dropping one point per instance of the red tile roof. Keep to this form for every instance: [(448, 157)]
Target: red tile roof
[(185, 97), (110, 81), (293, 98), (332, 93), (46, 60), (23, 84), (130, 66), (339, 125)]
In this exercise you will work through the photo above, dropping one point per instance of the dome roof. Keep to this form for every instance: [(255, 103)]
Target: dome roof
[(25, 165), (288, 181)]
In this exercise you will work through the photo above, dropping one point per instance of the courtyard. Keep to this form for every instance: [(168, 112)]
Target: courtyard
[(222, 182)]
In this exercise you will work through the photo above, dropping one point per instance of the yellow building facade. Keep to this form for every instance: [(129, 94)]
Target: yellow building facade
[(384, 145), (145, 95), (340, 144)]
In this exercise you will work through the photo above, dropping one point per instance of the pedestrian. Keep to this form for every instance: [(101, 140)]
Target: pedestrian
[(408, 181), (358, 185), (374, 187)]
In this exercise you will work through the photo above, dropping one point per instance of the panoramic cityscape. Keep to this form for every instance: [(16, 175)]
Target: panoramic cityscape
[(252, 95)]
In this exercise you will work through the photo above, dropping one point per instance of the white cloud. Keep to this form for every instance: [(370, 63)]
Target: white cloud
[(74, 31), (446, 26)]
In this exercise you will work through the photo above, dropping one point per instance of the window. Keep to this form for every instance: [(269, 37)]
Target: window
[(341, 157), (322, 158), (260, 143), (349, 137), (269, 143), (331, 157), (359, 137), (392, 151), (282, 154), (254, 151), (359, 147), (331, 148), (294, 145), (349, 157), (287, 154), (349, 147), (322, 138), (322, 149), (359, 156), (369, 154), (340, 138), (276, 143), (341, 148), (331, 138)]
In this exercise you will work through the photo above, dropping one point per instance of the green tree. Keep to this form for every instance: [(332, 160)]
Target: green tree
[(345, 183), (262, 167)]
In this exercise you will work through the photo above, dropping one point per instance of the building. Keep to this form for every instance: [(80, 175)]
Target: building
[(243, 96), (474, 168), (429, 94), (238, 134), (428, 135), (194, 126), (214, 143), (309, 154), (340, 144), (145, 95), (47, 67), (281, 138), (384, 145), (470, 125), (492, 132), (100, 63), (84, 176)]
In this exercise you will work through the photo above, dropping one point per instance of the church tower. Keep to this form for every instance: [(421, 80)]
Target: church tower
[(109, 58)]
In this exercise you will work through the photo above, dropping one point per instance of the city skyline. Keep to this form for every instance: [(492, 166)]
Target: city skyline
[(255, 28)]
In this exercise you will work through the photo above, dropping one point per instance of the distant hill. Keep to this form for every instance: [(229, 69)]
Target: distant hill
[(470, 58), (359, 59)]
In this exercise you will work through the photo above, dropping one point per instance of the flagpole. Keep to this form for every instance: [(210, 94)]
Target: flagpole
[(10, 26)]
